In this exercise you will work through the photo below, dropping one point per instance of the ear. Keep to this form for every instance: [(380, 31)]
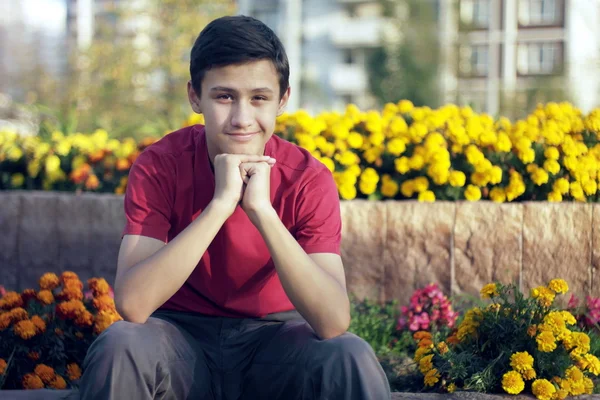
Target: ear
[(193, 98), (283, 102)]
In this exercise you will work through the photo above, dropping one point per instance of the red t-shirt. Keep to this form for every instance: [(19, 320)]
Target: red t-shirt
[(171, 182)]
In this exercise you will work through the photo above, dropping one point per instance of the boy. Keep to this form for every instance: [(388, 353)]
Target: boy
[(229, 275)]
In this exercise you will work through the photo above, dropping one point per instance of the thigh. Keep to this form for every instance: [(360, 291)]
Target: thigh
[(294, 363), (156, 355)]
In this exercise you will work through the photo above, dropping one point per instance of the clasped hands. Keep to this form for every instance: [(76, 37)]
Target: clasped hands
[(244, 179)]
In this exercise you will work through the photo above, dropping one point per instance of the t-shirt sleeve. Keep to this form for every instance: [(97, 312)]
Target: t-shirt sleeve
[(319, 226), (149, 197)]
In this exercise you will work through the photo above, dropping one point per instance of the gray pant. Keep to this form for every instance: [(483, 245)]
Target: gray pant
[(187, 356)]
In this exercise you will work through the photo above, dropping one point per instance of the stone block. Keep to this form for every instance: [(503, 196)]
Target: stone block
[(487, 244), (417, 250), (557, 243), (38, 248), (363, 240)]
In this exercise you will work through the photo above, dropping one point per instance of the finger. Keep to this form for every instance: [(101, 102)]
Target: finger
[(246, 158)]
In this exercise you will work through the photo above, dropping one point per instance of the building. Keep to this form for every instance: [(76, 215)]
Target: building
[(327, 43), (504, 56)]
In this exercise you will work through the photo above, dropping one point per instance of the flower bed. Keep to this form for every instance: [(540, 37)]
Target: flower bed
[(45, 334), (402, 152), (513, 345)]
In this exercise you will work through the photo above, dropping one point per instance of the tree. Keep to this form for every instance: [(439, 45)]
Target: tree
[(132, 79), (406, 66)]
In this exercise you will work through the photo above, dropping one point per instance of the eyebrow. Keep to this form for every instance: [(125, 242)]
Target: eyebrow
[(230, 90)]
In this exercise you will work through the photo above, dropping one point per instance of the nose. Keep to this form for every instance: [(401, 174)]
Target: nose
[(242, 115)]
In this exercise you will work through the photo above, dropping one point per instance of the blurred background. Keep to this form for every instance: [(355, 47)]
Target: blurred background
[(122, 65)]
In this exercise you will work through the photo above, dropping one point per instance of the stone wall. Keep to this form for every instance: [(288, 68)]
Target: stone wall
[(389, 248)]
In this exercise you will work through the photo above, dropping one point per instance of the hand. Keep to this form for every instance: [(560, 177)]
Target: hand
[(229, 182), (257, 193)]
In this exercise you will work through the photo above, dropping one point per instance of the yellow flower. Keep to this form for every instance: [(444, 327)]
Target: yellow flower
[(472, 193), (426, 364), (546, 341), (488, 291), (442, 348), (389, 187), (396, 146), (589, 385), (17, 180), (498, 195), (543, 389), (512, 382), (457, 178), (593, 364), (426, 196), (451, 388), (544, 295), (405, 106), (521, 361), (551, 153), (432, 377), (355, 140), (420, 352), (529, 374), (559, 286), (401, 165)]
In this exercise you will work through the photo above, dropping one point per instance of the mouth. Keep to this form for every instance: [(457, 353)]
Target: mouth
[(242, 137)]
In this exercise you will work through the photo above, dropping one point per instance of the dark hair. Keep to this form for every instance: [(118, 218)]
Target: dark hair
[(236, 40)]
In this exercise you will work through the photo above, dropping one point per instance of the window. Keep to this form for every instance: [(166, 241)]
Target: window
[(474, 60), (539, 58), (539, 12), (475, 12)]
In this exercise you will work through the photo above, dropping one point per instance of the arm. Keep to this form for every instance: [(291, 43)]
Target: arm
[(315, 282), (150, 272)]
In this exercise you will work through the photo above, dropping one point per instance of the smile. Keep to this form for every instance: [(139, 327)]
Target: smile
[(242, 137)]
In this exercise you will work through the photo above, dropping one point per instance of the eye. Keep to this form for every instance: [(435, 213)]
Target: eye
[(261, 98), (224, 97)]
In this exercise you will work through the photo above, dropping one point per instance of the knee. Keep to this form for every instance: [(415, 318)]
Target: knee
[(349, 347), (121, 337)]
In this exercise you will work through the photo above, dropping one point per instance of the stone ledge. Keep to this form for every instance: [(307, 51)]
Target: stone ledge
[(47, 394)]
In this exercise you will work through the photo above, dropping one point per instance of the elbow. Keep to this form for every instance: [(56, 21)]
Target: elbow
[(130, 311), (336, 327)]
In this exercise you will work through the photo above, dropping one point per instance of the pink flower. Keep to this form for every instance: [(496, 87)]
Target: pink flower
[(2, 291)]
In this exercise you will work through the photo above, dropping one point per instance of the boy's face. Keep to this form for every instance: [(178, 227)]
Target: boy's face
[(240, 104)]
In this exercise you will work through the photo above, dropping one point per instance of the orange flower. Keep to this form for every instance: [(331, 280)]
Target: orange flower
[(39, 323), (425, 343), (45, 372), (103, 320), (123, 164), (18, 314), (59, 332), (104, 302), (452, 339), (99, 286), (84, 319), (73, 372), (49, 281), (73, 284), (70, 309), (11, 300), (92, 182), (32, 381), (421, 335), (45, 296), (2, 366), (25, 329), (27, 295), (68, 276), (58, 383), (70, 293), (33, 355), (79, 335), (532, 330), (5, 321)]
